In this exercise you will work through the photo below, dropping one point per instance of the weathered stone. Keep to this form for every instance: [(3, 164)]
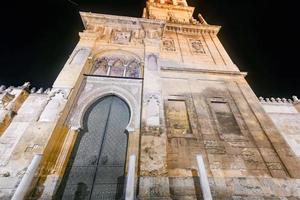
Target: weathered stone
[(185, 96)]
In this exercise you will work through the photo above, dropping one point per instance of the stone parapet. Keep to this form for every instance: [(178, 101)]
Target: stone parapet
[(272, 100), (286, 117), (11, 99)]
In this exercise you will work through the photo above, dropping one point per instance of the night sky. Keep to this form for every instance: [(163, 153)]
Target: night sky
[(261, 36)]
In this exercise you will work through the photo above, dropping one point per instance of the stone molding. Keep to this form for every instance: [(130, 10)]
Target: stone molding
[(175, 7), (190, 69), (100, 19), (193, 29), (108, 86)]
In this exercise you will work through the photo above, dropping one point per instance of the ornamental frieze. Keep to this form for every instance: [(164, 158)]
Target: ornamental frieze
[(169, 44)]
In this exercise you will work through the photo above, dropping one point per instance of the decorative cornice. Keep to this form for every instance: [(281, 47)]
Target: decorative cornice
[(99, 19), (88, 36), (192, 29), (238, 73), (102, 19)]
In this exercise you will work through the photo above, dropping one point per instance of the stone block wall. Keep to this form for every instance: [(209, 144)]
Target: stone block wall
[(286, 117), (23, 137), (11, 99)]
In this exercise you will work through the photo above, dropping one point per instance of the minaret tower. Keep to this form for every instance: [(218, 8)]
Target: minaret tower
[(138, 100), (167, 10)]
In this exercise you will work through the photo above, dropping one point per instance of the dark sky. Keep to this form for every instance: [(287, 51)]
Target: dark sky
[(261, 36)]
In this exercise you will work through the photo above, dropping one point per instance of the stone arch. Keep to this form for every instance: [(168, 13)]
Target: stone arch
[(152, 62), (133, 69), (100, 148), (117, 57), (101, 67), (117, 68), (97, 94), (115, 51)]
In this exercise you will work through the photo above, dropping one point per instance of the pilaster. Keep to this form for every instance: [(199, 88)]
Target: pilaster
[(52, 181)]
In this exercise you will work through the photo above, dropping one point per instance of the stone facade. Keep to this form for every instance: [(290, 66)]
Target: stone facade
[(186, 97)]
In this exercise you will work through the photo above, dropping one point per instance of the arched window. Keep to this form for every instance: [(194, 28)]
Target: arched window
[(101, 67), (117, 63), (133, 70), (152, 63), (117, 68)]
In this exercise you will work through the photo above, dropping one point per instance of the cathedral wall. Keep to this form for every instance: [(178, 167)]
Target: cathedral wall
[(39, 127), (23, 138), (217, 116), (287, 120), (198, 51), (11, 100), (186, 98)]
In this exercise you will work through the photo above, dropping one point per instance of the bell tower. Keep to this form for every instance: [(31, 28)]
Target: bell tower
[(134, 106), (168, 9)]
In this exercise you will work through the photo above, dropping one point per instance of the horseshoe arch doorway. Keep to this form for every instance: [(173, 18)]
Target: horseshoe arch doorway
[(97, 163)]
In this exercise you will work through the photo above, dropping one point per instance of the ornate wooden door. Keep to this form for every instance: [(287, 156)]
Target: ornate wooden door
[(96, 167)]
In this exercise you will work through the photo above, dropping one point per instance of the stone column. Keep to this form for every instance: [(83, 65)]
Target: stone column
[(133, 146), (26, 182), (205, 189), (130, 184)]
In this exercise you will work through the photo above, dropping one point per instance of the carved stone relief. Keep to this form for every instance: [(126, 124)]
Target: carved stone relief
[(153, 33), (172, 18), (121, 37), (169, 44), (117, 65), (196, 46), (152, 103)]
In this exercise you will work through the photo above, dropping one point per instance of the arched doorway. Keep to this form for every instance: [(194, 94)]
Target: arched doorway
[(97, 164)]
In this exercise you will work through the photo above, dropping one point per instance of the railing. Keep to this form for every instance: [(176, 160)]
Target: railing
[(206, 193)]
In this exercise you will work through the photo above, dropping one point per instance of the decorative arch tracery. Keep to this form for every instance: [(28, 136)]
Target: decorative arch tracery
[(118, 64), (85, 102)]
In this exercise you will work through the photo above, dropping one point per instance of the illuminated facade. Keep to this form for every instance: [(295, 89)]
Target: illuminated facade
[(161, 89)]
